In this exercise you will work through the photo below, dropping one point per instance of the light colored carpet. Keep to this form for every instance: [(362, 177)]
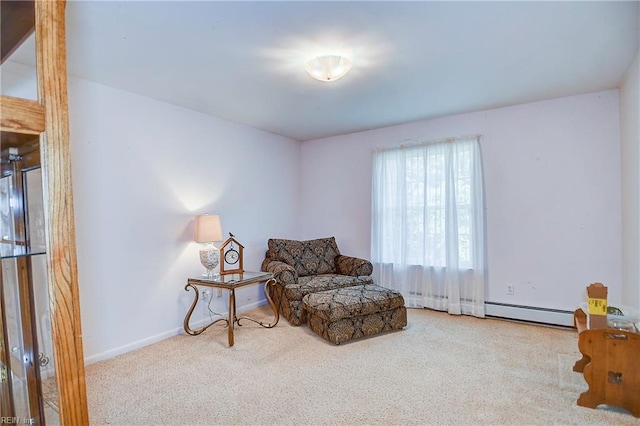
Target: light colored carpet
[(440, 369)]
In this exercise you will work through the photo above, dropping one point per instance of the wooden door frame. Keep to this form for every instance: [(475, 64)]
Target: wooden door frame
[(62, 269), (49, 118)]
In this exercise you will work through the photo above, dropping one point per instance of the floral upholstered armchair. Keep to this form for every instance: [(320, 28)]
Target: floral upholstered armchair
[(304, 267)]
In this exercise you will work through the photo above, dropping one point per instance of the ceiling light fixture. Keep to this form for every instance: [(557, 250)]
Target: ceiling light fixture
[(328, 67)]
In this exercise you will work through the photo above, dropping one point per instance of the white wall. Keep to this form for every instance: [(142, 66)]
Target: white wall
[(552, 178), (630, 136), (18, 80), (142, 170)]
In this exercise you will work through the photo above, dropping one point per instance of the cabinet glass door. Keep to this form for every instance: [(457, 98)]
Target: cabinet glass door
[(20, 368), (32, 181), (29, 389), (6, 250)]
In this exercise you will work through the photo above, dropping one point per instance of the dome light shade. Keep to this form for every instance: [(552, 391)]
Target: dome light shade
[(328, 68)]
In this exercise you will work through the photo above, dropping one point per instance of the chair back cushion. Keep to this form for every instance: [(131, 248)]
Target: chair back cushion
[(311, 257)]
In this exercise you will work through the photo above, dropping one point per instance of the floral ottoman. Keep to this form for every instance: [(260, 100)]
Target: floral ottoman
[(351, 312)]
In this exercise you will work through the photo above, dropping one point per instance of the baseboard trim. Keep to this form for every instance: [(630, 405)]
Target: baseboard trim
[(161, 336), (137, 344), (532, 314), (529, 314)]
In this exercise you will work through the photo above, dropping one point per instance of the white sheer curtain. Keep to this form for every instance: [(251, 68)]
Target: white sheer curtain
[(428, 237)]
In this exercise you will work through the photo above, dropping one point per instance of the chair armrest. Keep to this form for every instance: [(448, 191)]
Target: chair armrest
[(354, 266), (283, 273)]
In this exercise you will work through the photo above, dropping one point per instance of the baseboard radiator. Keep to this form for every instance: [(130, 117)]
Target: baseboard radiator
[(529, 314)]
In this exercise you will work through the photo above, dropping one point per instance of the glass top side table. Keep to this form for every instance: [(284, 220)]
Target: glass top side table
[(231, 283)]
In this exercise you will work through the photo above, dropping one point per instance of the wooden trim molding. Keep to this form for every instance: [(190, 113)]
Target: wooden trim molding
[(59, 217), (21, 116)]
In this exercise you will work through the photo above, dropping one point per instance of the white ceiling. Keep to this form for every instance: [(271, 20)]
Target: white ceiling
[(244, 61)]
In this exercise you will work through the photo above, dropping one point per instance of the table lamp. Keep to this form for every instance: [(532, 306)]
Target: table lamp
[(208, 230)]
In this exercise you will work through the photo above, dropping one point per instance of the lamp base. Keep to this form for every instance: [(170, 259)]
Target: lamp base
[(210, 258), (210, 275)]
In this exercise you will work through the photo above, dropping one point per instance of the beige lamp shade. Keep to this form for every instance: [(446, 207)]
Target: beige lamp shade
[(208, 228)]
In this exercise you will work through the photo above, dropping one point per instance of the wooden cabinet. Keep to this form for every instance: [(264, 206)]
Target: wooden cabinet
[(610, 365), (46, 121)]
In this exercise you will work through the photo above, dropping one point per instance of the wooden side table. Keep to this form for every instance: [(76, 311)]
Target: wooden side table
[(610, 364), (231, 283)]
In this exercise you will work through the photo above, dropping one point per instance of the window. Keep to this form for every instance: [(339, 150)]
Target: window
[(428, 212)]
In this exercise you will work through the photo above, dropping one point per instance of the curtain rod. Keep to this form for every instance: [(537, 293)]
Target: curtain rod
[(413, 142)]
